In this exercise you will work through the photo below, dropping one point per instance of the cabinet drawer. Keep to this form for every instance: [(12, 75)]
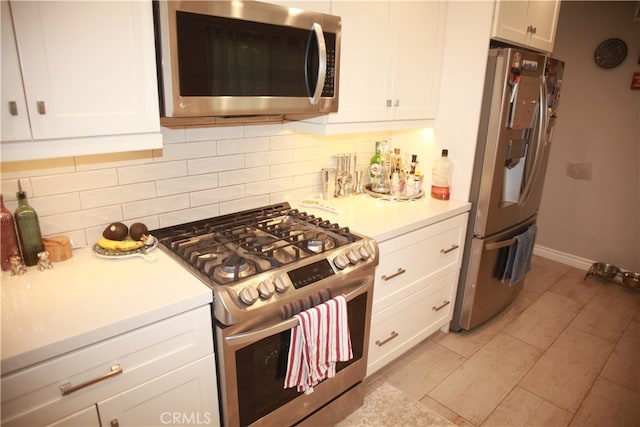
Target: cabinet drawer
[(399, 327), (418, 255), (106, 368)]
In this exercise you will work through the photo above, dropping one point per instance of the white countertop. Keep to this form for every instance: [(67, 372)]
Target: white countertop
[(86, 299), (383, 219)]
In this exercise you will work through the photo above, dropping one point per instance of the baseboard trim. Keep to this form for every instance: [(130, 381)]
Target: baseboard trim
[(563, 257)]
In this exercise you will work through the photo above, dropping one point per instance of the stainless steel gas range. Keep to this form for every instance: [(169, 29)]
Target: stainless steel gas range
[(265, 265)]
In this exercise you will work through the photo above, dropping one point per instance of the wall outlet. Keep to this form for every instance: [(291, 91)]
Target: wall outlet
[(579, 170)]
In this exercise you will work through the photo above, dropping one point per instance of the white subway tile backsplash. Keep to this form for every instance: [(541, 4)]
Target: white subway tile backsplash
[(87, 218), (241, 146), (68, 182), (186, 184), (216, 195), (268, 158), (269, 186), (151, 172), (117, 195), (185, 151), (154, 206), (215, 164), (243, 176), (113, 160), (243, 204), (187, 215), (291, 169), (199, 173)]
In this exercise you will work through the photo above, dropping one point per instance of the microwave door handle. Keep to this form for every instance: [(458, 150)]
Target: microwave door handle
[(316, 30)]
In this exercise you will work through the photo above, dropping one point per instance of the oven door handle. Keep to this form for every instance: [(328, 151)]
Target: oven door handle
[(257, 335)]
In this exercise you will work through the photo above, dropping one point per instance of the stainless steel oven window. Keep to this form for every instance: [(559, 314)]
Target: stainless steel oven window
[(263, 365)]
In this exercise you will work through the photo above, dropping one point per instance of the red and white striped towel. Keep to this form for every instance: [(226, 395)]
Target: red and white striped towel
[(319, 341)]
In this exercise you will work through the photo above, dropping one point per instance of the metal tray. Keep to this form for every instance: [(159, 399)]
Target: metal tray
[(390, 197)]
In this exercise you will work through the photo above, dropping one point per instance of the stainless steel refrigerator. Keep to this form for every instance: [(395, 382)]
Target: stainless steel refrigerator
[(520, 100)]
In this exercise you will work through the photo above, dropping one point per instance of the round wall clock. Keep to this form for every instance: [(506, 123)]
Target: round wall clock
[(610, 53)]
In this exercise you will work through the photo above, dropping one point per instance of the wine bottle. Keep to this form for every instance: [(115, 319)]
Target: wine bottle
[(9, 246), (28, 229)]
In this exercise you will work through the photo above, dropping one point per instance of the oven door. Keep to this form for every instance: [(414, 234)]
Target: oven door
[(253, 365)]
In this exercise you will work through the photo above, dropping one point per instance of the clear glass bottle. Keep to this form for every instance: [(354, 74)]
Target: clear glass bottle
[(9, 245), (28, 229), (441, 177)]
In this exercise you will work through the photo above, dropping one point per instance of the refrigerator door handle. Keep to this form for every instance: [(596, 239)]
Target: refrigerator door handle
[(498, 245), (542, 127)]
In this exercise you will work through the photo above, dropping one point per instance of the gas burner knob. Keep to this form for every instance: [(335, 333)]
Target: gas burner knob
[(364, 252), (341, 262), (353, 256), (249, 295), (266, 289), (281, 284)]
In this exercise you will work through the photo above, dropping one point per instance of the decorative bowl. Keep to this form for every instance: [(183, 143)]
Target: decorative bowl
[(608, 271)]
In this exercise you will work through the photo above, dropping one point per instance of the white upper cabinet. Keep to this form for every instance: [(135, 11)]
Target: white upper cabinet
[(530, 23), (390, 62), (87, 82)]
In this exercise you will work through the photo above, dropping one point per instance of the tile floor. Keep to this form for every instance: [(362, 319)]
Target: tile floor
[(565, 353)]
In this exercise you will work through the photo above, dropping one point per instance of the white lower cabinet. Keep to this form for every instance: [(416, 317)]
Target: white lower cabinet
[(415, 288), (161, 372)]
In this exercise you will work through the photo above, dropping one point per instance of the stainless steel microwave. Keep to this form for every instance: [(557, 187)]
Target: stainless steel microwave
[(245, 58)]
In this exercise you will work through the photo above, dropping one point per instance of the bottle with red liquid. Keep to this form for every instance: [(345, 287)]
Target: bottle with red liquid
[(441, 176), (9, 244)]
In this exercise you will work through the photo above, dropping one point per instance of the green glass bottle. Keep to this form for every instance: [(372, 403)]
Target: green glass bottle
[(28, 229)]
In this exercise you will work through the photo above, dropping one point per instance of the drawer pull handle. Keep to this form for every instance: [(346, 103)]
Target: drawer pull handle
[(452, 248), (446, 303), (13, 108), (393, 335), (397, 273), (42, 110), (68, 388), (115, 423)]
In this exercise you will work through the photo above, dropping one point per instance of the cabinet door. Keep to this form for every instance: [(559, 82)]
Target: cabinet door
[(186, 396), (88, 67), (15, 119), (510, 21), (85, 418), (362, 61), (416, 32), (543, 18)]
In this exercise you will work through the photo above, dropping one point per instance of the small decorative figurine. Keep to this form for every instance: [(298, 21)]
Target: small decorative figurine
[(17, 267), (43, 261)]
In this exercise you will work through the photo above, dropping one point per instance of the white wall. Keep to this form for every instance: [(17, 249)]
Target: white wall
[(598, 124)]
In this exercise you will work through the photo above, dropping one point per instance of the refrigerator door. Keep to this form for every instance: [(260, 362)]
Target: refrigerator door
[(511, 152), (485, 294)]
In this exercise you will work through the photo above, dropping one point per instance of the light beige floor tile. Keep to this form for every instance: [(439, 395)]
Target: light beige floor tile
[(608, 404), (445, 412), (623, 367), (573, 285), (608, 313), (480, 384), (522, 408), (543, 274), (544, 320), (424, 369), (467, 343), (564, 374)]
